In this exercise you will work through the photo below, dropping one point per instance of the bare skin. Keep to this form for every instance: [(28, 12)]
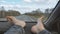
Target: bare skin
[(39, 26), (16, 21), (35, 29)]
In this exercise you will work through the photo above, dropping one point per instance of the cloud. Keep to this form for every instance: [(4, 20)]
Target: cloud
[(41, 1), (52, 3), (28, 7), (6, 5), (37, 0), (27, 0), (10, 6), (2, 1), (17, 5)]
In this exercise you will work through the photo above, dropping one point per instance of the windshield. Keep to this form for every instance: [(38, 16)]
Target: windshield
[(28, 10)]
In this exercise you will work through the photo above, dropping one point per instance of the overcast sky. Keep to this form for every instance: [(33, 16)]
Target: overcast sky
[(27, 5)]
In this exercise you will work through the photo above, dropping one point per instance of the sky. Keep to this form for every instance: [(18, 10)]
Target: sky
[(24, 6)]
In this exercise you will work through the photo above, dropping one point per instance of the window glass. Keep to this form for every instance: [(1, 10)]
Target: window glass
[(28, 10)]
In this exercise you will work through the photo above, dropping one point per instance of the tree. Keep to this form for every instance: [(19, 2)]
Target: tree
[(48, 11), (35, 13), (14, 12), (9, 13)]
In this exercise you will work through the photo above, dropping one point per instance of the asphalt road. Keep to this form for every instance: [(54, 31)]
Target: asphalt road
[(22, 17), (6, 25)]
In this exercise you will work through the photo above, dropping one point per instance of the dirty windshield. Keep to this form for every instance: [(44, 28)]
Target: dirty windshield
[(27, 10)]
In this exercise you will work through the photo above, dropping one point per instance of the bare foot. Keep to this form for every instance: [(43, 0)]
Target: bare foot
[(34, 29), (38, 27), (16, 21)]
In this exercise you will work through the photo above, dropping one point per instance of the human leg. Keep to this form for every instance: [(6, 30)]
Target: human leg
[(18, 26)]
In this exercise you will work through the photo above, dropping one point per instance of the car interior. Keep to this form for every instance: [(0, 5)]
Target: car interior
[(52, 24)]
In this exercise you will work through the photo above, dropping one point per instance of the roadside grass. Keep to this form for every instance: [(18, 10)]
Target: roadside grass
[(38, 16)]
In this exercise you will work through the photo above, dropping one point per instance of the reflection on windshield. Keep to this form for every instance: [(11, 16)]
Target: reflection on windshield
[(32, 9)]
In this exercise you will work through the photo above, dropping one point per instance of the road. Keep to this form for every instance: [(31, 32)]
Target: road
[(22, 17), (6, 25)]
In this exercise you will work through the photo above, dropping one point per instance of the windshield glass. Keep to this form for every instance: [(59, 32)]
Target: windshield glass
[(28, 10)]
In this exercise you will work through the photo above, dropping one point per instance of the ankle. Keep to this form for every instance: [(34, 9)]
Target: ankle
[(21, 24), (40, 29)]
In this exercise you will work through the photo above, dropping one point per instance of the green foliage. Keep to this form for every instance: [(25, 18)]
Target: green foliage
[(8, 13), (36, 13)]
